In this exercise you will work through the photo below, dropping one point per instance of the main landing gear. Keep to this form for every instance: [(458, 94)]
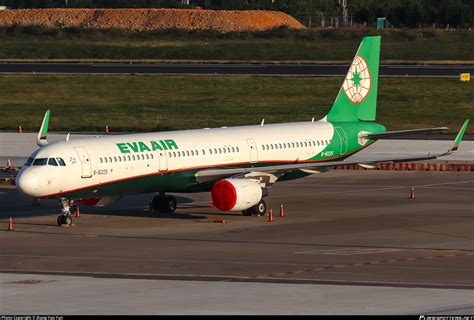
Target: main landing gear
[(65, 216), (163, 204), (259, 209)]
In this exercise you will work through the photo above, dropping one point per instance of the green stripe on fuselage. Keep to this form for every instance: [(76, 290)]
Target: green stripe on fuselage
[(345, 140)]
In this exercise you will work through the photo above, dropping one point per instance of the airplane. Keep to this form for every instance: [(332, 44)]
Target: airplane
[(237, 165)]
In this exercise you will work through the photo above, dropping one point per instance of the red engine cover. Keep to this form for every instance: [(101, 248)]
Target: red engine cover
[(90, 202), (223, 195)]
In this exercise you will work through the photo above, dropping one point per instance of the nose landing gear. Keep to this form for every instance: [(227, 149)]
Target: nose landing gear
[(65, 217)]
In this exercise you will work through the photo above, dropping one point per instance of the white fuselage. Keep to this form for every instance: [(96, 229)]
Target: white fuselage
[(109, 159)]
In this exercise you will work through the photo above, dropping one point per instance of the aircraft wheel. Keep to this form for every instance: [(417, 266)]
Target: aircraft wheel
[(64, 219), (164, 204), (259, 209), (169, 204)]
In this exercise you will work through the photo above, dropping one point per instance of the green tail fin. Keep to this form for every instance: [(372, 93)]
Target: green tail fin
[(357, 98)]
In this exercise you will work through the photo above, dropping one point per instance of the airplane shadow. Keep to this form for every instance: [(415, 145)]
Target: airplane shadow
[(14, 204)]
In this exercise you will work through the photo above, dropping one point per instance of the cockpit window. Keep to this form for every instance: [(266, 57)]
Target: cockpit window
[(29, 162), (40, 161), (52, 162), (61, 162)]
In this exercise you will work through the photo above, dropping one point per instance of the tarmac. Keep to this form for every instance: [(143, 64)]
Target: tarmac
[(351, 242)]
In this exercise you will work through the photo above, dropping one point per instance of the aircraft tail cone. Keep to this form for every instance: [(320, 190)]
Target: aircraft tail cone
[(9, 163), (270, 215), (282, 211), (10, 224), (412, 194)]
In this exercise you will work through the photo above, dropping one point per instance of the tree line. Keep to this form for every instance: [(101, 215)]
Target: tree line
[(399, 13)]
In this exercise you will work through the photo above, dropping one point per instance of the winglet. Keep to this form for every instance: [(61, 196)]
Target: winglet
[(459, 136), (41, 139)]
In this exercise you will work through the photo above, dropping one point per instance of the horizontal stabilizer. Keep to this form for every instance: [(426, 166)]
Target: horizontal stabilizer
[(394, 134)]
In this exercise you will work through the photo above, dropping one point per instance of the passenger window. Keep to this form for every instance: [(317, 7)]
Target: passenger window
[(224, 149), (187, 153), (119, 158), (147, 156), (105, 159), (233, 149), (115, 159), (228, 149), (52, 162), (151, 156), (192, 153), (203, 152), (237, 149), (110, 159), (101, 160)]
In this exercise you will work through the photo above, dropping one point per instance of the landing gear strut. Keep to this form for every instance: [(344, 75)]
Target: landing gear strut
[(259, 209), (65, 216), (163, 204)]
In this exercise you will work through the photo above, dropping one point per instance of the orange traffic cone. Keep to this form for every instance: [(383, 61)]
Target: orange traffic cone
[(107, 129), (270, 215), (282, 211), (412, 194), (10, 224), (20, 130), (9, 163), (78, 212)]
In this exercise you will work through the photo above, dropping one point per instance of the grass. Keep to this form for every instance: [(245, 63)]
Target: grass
[(149, 103), (274, 45)]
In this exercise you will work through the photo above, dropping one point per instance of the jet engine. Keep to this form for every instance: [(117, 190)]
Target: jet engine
[(236, 194), (99, 202)]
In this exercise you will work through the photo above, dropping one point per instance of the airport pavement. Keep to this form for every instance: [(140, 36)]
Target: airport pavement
[(18, 147), (351, 242), (230, 69)]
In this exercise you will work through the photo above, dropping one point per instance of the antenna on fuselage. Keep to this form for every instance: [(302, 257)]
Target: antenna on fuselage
[(263, 121), (41, 139), (67, 137)]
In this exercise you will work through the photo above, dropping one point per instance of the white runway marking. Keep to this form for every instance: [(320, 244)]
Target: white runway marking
[(348, 251)]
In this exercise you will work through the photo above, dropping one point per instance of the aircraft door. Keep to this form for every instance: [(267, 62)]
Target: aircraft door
[(163, 161), (253, 150), (342, 138), (85, 162)]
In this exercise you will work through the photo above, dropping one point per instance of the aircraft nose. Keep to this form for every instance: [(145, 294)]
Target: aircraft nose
[(28, 183)]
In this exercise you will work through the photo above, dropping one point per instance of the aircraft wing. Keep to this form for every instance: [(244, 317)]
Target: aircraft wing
[(212, 174)]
